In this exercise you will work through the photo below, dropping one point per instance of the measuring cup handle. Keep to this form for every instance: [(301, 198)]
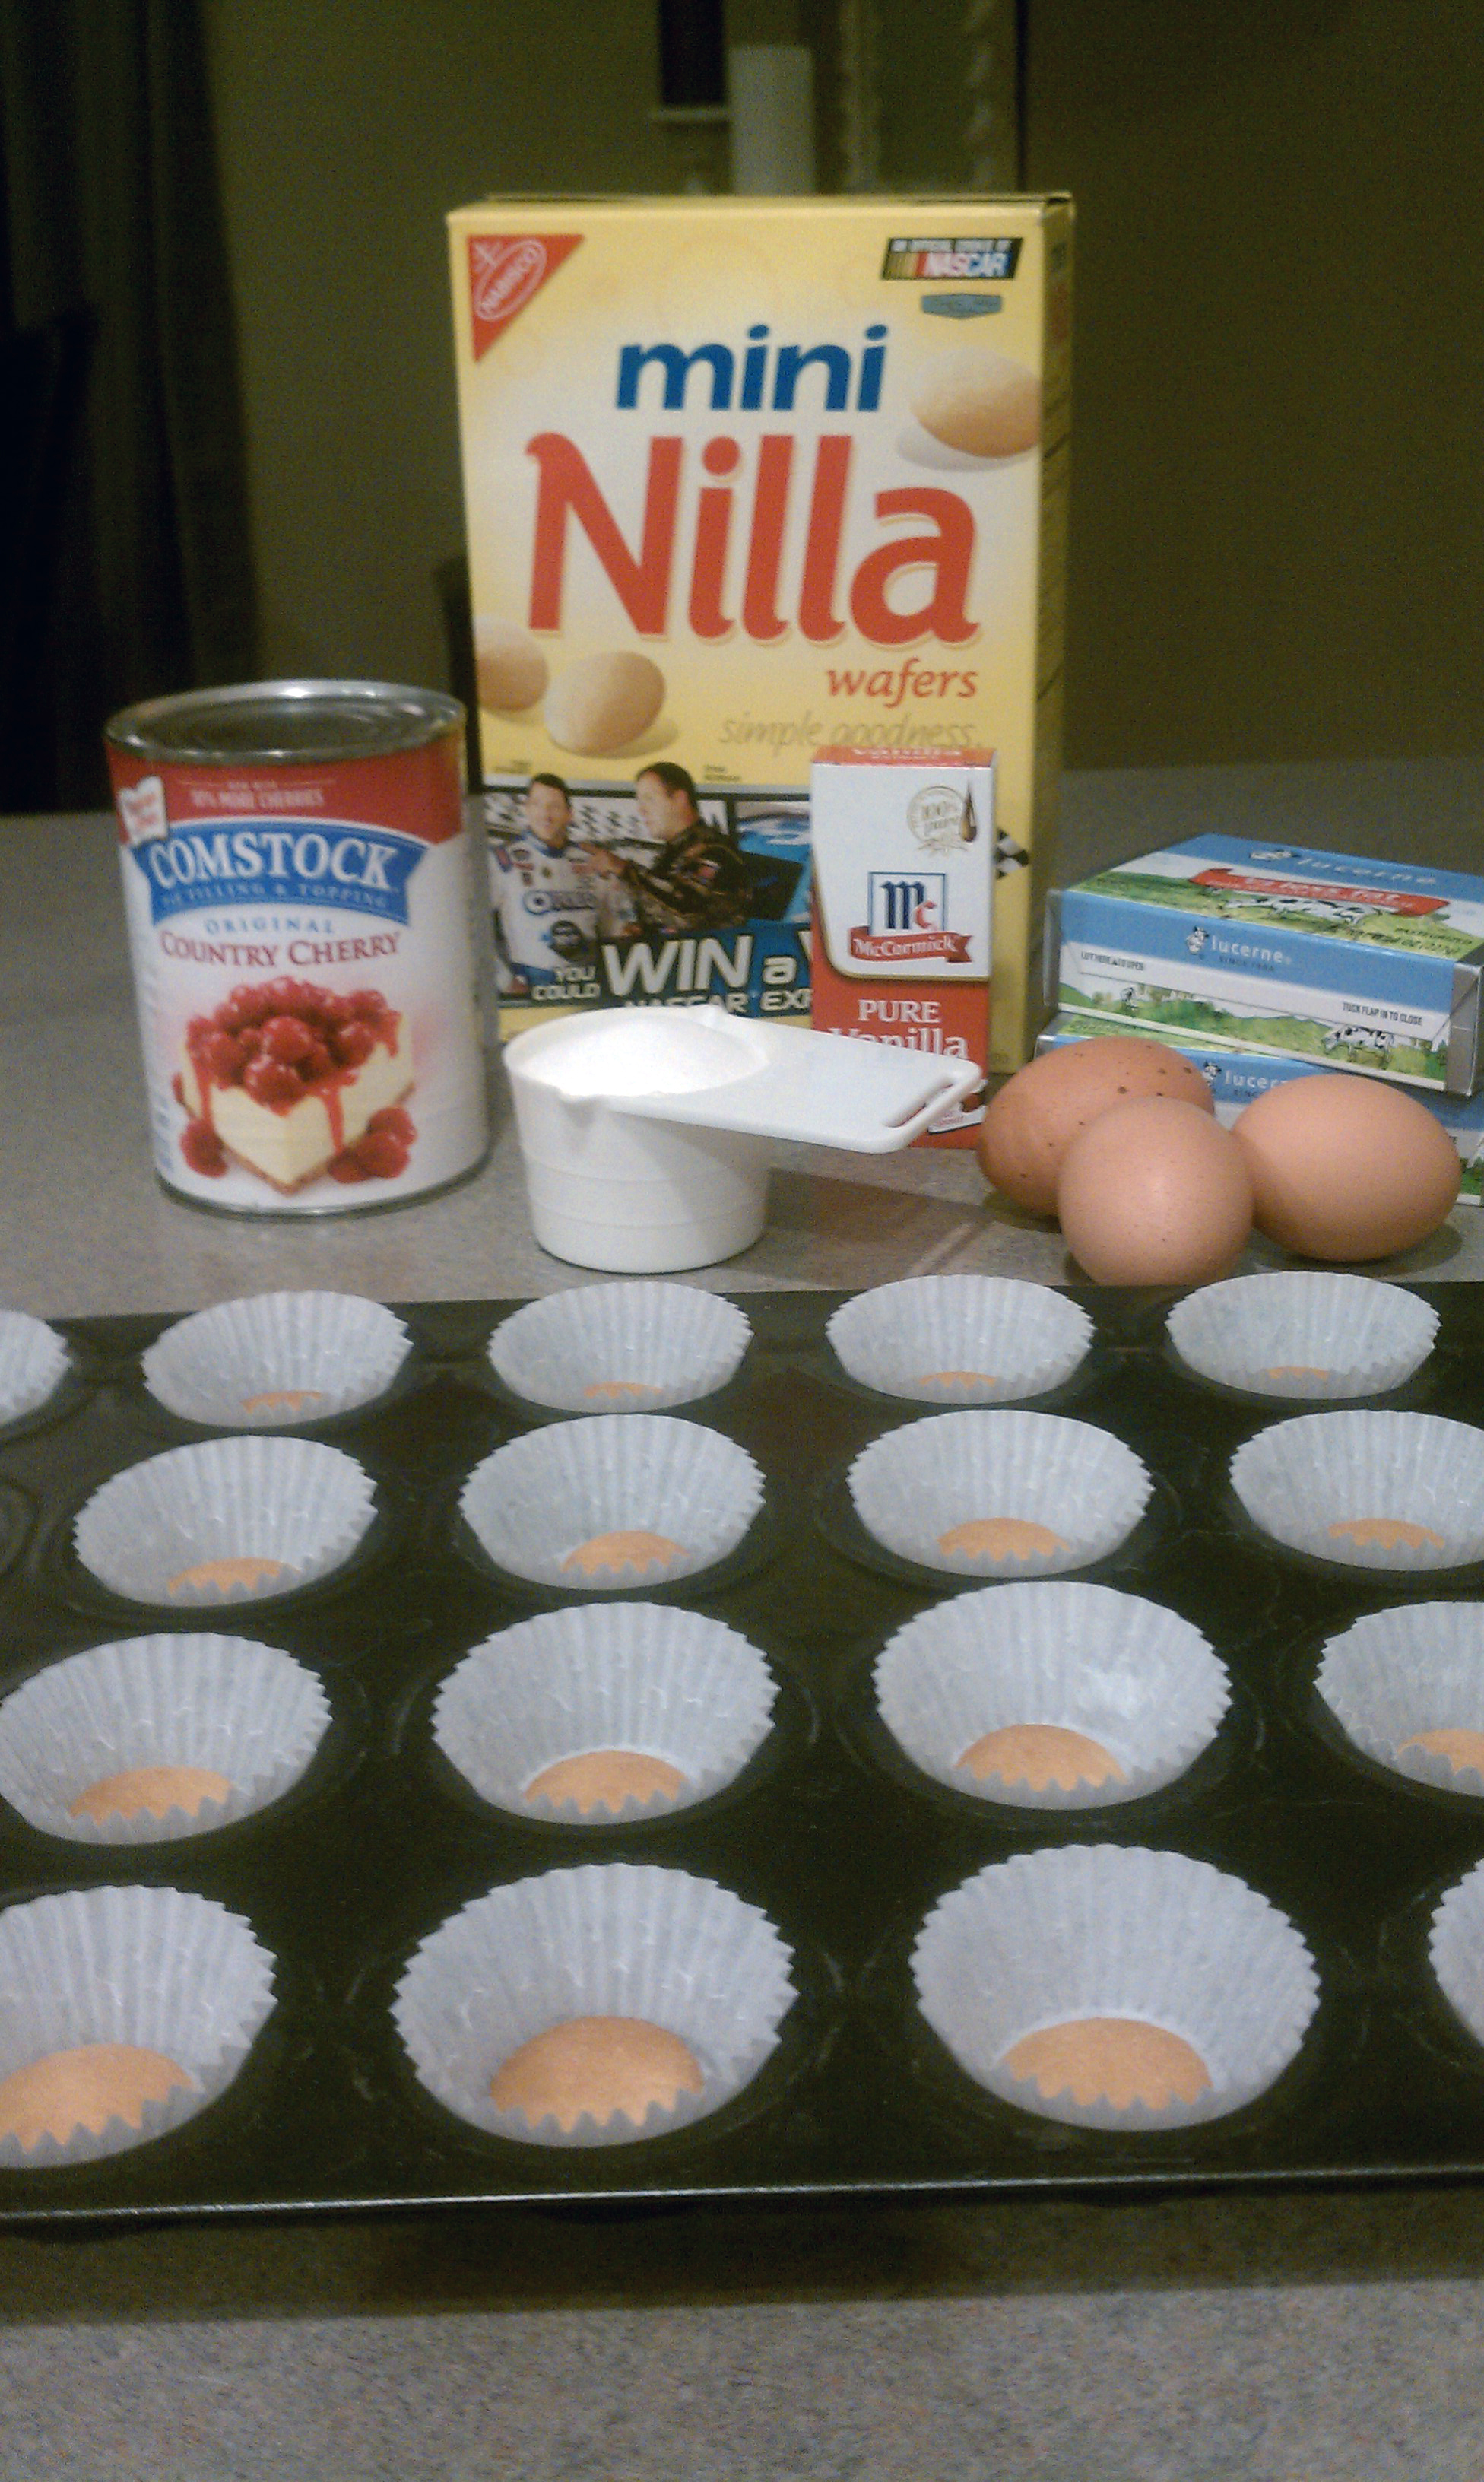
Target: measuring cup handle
[(958, 1084)]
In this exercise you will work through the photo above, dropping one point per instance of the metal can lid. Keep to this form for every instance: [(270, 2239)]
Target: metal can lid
[(311, 723)]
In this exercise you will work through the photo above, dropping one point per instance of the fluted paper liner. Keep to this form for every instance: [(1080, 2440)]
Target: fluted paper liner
[(1299, 1480), (1065, 1478), (149, 1967), (242, 1710), (1302, 1334), (1085, 1931), (286, 1511), (1455, 1944), (961, 1340), (1137, 1679), (631, 1348), (275, 1359), (661, 1945), (1397, 1674), (33, 1362), (535, 1502), (645, 1677)]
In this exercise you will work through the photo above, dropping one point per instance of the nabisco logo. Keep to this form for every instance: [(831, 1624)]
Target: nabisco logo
[(505, 272)]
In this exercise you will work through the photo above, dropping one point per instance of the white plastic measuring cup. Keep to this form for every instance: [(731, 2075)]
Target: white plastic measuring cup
[(642, 1130)]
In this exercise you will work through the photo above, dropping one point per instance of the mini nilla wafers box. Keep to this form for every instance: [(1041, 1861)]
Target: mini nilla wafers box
[(748, 479)]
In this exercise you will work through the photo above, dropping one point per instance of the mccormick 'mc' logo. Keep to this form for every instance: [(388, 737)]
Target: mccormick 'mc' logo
[(906, 910), (505, 272)]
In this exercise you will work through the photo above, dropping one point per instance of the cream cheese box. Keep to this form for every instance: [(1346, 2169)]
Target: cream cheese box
[(1267, 946)]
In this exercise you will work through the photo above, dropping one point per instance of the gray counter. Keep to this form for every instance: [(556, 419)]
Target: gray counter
[(1329, 2338)]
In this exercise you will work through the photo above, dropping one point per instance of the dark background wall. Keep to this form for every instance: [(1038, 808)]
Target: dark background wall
[(1278, 523), (346, 132), (1278, 510)]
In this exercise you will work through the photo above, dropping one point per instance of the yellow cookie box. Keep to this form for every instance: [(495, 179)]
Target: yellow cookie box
[(748, 478)]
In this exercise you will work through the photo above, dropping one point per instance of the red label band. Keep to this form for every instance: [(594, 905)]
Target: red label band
[(891, 947), (417, 792)]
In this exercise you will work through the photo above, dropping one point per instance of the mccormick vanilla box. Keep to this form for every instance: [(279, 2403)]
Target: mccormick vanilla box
[(903, 905), (1237, 1078), (1374, 965), (747, 479)]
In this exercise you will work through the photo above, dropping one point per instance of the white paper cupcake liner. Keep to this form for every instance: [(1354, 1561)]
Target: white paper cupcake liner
[(33, 1362), (1455, 1944), (1418, 1669), (224, 1704), (275, 1359), (1307, 1336), (672, 1950), (961, 1340), (1403, 1491), (1009, 1494), (630, 1348), (614, 1501), (647, 1679), (150, 1968), (1052, 1937), (231, 1521), (1134, 1679)]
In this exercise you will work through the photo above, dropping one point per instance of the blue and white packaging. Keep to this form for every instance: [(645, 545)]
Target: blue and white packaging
[(1370, 965)]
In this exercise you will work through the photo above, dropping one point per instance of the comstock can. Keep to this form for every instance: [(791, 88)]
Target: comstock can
[(301, 894)]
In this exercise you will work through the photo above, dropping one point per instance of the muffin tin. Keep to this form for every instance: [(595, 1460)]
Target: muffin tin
[(829, 1829)]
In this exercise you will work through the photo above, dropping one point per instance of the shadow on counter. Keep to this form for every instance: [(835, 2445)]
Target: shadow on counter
[(737, 2256)]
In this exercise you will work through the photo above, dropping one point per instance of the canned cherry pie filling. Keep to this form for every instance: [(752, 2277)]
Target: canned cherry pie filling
[(302, 906)]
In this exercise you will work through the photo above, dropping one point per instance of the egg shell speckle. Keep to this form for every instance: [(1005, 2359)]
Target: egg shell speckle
[(1344, 1168), (1035, 1116), (1155, 1192)]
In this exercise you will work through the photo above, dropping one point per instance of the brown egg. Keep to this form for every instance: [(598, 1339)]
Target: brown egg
[(1155, 1192), (1034, 1117), (1346, 1168)]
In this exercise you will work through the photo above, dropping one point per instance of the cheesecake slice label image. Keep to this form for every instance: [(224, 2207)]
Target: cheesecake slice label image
[(303, 944)]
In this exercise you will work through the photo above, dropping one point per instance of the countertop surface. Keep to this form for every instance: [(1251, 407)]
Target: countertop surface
[(1257, 2339)]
